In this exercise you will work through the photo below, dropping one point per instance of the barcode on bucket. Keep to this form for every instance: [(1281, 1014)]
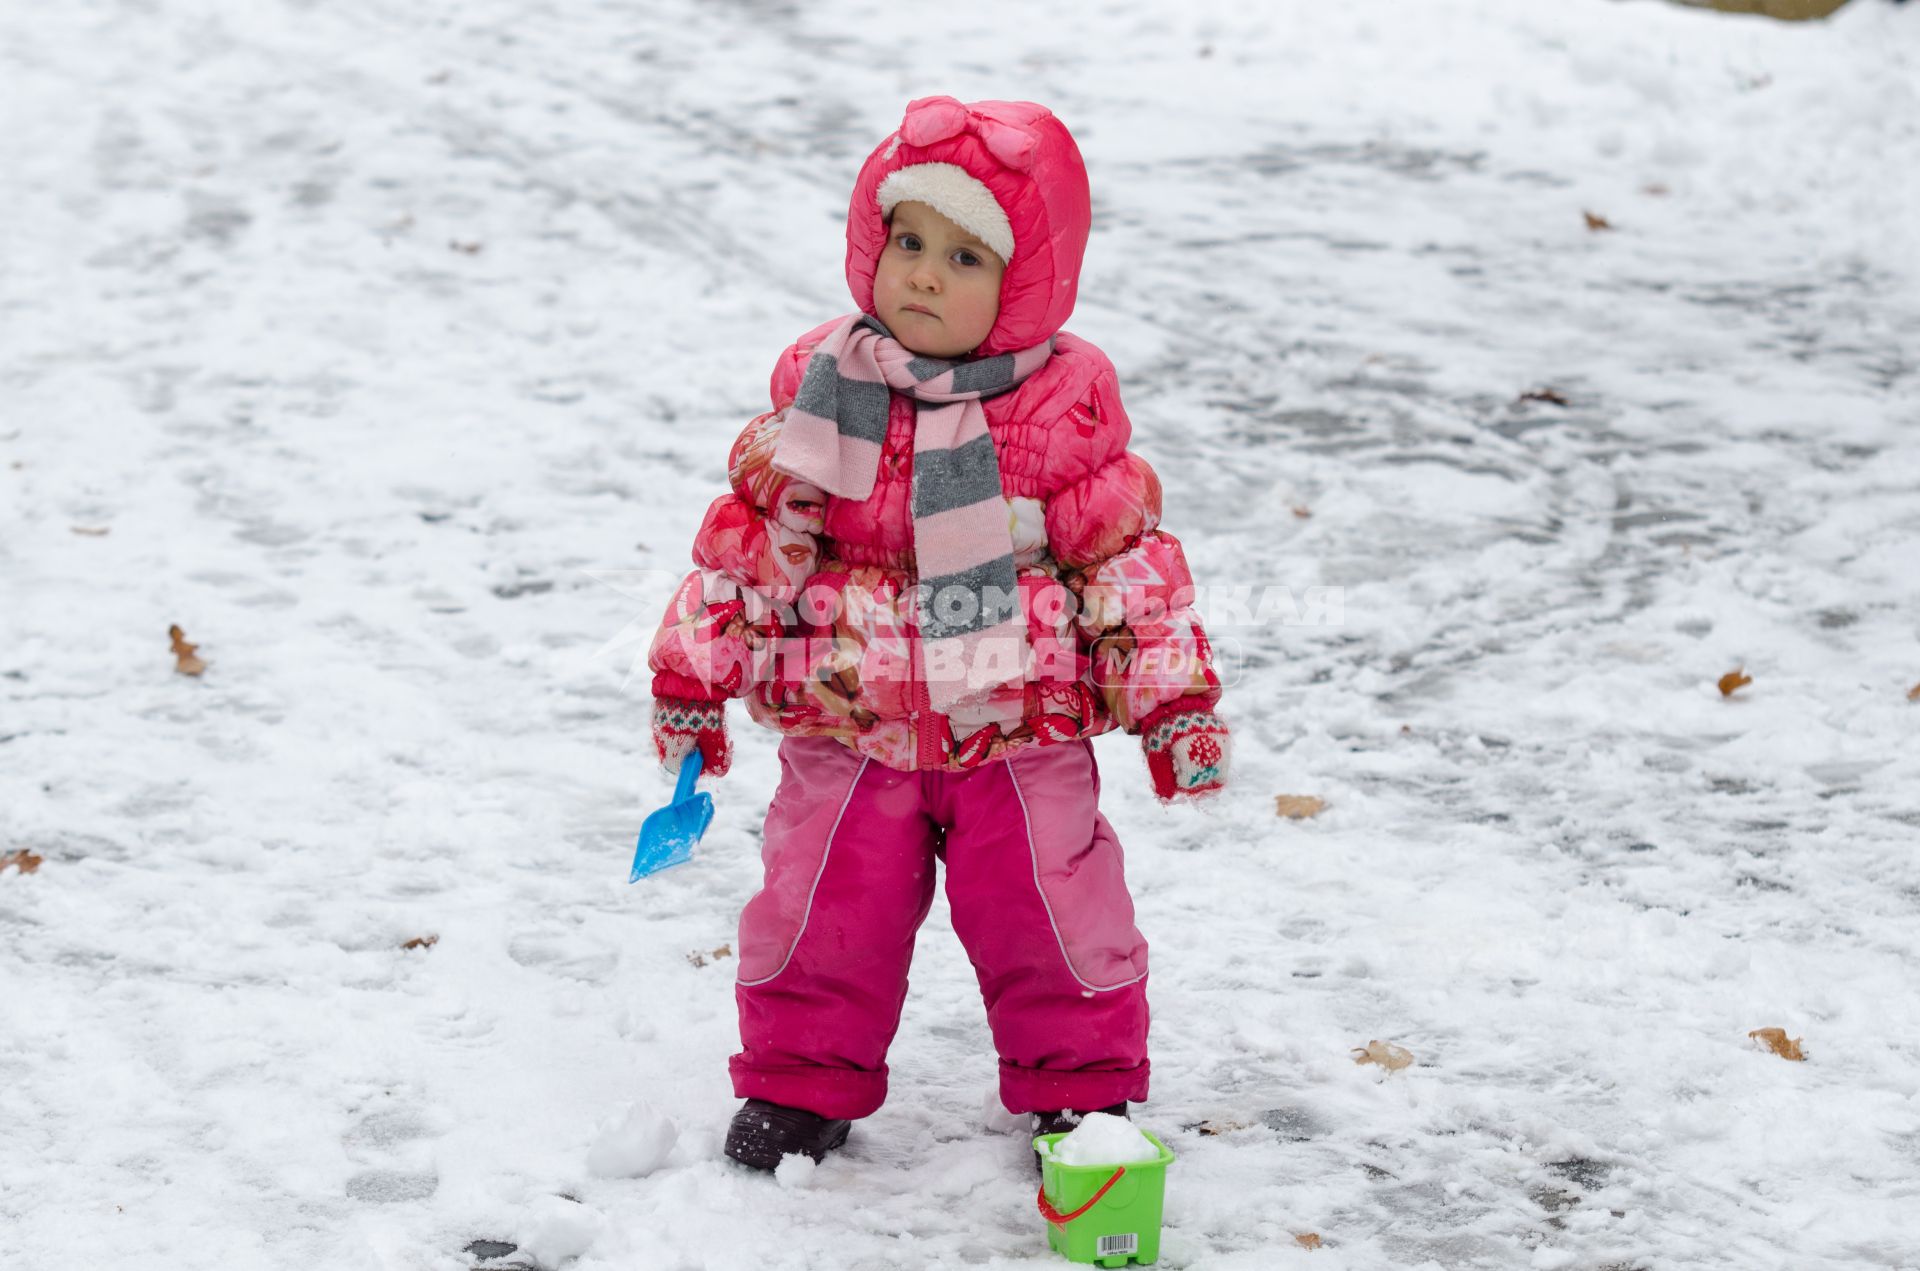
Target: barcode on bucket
[(1111, 1245)]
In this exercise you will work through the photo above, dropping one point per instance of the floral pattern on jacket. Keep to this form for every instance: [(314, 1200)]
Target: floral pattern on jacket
[(803, 603)]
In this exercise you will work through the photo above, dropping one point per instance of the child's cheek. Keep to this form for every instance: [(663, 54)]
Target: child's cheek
[(989, 310)]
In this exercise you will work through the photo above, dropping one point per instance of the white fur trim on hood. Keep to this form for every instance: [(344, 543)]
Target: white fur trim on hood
[(956, 194)]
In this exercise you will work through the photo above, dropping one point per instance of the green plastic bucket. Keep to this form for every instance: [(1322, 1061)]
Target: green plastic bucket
[(1109, 1214)]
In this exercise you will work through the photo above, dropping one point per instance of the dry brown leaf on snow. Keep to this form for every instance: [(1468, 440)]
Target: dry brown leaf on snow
[(90, 531), (1221, 1127), (1306, 1240), (1913, 694), (1298, 806), (184, 659), (1777, 1041), (1733, 681), (1596, 222), (1553, 397), (1302, 511), (23, 860), (421, 942), (1386, 1054), (700, 959)]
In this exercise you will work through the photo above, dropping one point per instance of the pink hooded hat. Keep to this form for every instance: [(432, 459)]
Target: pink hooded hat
[(1027, 160)]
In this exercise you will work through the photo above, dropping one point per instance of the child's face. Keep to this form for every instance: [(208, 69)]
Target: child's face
[(937, 287)]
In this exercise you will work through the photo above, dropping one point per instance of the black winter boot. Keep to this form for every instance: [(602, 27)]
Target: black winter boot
[(1062, 1122), (764, 1132)]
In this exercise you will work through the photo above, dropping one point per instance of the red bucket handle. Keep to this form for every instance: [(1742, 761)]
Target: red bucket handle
[(1058, 1219)]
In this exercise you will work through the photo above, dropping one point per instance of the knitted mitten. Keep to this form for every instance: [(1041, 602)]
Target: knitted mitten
[(680, 724), (1186, 745)]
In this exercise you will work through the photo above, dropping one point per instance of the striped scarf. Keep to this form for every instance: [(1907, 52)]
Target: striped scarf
[(972, 628)]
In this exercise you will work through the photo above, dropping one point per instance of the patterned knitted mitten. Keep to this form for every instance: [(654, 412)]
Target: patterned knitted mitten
[(1187, 749), (679, 725)]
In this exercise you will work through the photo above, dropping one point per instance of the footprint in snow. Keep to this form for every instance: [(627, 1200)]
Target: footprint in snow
[(395, 1145)]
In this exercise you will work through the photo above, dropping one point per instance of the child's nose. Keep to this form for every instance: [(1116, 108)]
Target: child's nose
[(925, 278)]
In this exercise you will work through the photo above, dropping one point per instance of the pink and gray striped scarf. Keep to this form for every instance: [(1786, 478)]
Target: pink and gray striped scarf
[(972, 627)]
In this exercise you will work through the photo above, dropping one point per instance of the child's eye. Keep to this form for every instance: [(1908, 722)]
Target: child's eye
[(965, 257), (908, 242)]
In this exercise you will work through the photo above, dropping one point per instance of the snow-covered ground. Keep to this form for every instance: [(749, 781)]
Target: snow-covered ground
[(363, 339)]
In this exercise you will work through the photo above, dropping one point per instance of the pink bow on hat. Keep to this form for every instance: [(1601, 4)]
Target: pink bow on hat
[(932, 119)]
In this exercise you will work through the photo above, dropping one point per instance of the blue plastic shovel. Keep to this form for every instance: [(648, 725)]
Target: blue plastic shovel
[(668, 835)]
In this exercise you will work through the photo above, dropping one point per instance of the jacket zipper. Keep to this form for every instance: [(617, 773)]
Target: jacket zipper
[(923, 711)]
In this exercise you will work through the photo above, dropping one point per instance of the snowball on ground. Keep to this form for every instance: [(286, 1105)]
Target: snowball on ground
[(795, 1170), (558, 1229), (636, 1144)]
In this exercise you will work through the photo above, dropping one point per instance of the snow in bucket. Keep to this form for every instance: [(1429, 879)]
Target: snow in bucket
[(1102, 1189), (1104, 1139)]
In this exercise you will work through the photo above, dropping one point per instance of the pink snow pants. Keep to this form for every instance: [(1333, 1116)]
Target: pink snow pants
[(1038, 897)]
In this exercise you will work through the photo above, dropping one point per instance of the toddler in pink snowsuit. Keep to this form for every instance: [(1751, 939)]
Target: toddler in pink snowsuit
[(938, 573)]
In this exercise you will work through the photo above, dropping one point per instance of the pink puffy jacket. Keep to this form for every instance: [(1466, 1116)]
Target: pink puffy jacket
[(1107, 594)]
